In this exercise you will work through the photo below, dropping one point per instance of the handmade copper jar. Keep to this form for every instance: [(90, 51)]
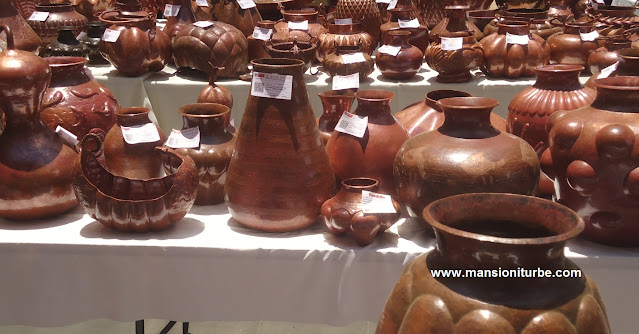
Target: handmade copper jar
[(334, 104), (92, 41), (229, 11), (311, 16), (304, 51), (372, 155), (131, 204), (183, 17), (280, 174), (364, 11), (406, 63), (504, 239), (538, 20), (35, 166), (344, 35), (60, 14), (214, 93), (557, 88), (74, 100), (455, 21), (140, 47), (343, 214), (503, 59), (433, 11), (24, 37), (605, 56), (568, 47), (426, 115), (65, 45), (135, 161), (214, 153), (418, 36), (592, 160), (628, 66), (218, 45), (334, 63), (466, 151), (454, 65), (256, 48)]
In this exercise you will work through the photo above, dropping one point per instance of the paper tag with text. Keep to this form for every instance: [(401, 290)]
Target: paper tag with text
[(171, 10), (352, 58), (344, 21), (346, 81), (202, 3), (414, 23), (67, 135), (589, 36), (263, 34), (517, 39), (392, 4), (81, 35), (203, 24), (606, 72), (452, 43), (111, 35), (382, 1), (272, 85), (303, 25), (186, 138), (246, 4), (39, 16), (377, 203), (146, 133), (389, 49), (352, 124)]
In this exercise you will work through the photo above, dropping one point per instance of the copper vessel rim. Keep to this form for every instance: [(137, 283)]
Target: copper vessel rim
[(65, 61), (199, 110), (277, 62), (559, 68), (51, 5), (433, 95), (468, 102), (342, 93), (360, 183), (288, 46), (629, 53), (374, 95), (627, 83), (569, 232), (482, 13), (512, 23), (579, 24), (132, 111)]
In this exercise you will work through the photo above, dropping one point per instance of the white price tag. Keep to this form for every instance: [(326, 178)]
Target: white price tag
[(262, 33), (187, 138), (377, 203), (146, 133), (203, 24), (382, 1), (272, 85), (66, 135), (303, 25), (39, 16), (352, 58), (389, 50), (346, 81), (517, 39), (352, 124), (202, 3), (606, 72), (246, 4), (81, 35), (589, 36), (110, 35), (392, 4), (232, 122), (171, 10), (344, 21), (452, 43), (414, 23)]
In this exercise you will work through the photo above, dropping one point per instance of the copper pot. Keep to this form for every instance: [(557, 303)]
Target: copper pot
[(311, 16), (455, 65), (304, 51), (455, 21), (418, 36), (229, 11), (568, 47), (334, 63), (334, 104), (344, 35), (60, 14), (256, 48), (406, 63), (605, 56), (540, 22), (628, 66)]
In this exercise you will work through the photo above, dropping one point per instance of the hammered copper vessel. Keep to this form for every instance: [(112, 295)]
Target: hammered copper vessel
[(311, 16), (74, 100), (496, 235), (344, 35), (454, 65), (92, 8), (304, 51), (214, 153), (466, 151), (594, 164), (129, 204), (334, 104), (611, 15), (24, 37), (280, 174), (372, 155), (60, 15), (557, 88), (35, 166), (343, 214)]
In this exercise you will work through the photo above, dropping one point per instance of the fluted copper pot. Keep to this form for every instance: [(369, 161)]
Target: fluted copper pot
[(344, 35), (334, 63)]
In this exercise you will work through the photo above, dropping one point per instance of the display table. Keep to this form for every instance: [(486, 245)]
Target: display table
[(207, 267)]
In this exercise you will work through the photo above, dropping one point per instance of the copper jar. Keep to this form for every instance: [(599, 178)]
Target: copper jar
[(433, 11), (455, 65), (177, 22), (229, 11), (406, 63), (60, 14), (540, 22), (418, 36), (569, 47), (334, 63), (214, 93), (256, 48), (455, 21), (311, 16), (304, 51), (65, 45), (334, 104), (628, 66), (92, 41), (606, 55), (344, 35)]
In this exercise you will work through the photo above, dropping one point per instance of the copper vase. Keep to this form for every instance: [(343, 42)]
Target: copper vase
[(454, 65), (569, 48), (334, 104), (418, 36), (455, 20), (256, 48), (229, 11), (628, 66), (280, 174), (344, 35), (406, 63), (184, 17)]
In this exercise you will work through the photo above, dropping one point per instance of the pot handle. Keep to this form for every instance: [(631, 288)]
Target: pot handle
[(10, 42)]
